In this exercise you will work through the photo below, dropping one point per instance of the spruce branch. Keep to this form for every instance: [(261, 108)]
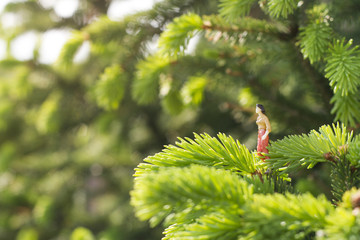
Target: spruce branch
[(314, 41), (232, 10), (157, 194), (315, 36), (343, 67), (104, 30), (222, 152), (281, 8), (354, 152), (297, 151), (286, 216), (193, 90), (346, 108), (146, 83), (70, 48), (217, 204), (344, 222), (110, 88), (341, 224), (343, 178), (215, 25), (172, 102), (220, 225), (175, 38)]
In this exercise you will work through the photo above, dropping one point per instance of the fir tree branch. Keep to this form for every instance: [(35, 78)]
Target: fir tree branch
[(232, 10), (314, 41), (298, 151), (223, 152), (175, 38), (341, 224), (285, 216), (220, 225), (110, 88), (158, 194), (70, 48), (354, 152), (318, 80), (146, 84), (343, 67), (217, 203), (281, 8), (215, 24), (346, 108), (343, 178)]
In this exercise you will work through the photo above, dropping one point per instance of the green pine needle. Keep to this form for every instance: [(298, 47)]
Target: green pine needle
[(343, 178), (215, 24), (346, 108), (146, 84), (343, 67), (297, 151), (70, 49), (193, 90), (220, 226), (200, 202), (104, 30), (354, 152), (280, 216), (172, 102), (221, 152), (110, 88), (314, 41), (232, 10), (187, 191), (282, 8), (175, 38)]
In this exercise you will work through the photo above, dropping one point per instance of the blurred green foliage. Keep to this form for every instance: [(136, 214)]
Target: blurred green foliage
[(71, 132)]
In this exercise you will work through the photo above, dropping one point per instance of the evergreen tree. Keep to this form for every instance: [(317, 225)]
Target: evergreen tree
[(71, 133), (214, 187)]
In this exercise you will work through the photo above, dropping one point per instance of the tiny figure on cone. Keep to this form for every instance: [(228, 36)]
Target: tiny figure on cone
[(264, 128)]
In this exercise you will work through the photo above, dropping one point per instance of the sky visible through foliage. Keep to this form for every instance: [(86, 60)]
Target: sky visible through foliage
[(53, 40)]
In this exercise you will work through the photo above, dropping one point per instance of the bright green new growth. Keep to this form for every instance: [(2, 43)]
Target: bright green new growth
[(81, 233), (215, 188), (210, 188), (146, 85), (233, 9), (193, 90), (217, 204), (295, 151), (222, 152), (47, 117), (317, 40), (70, 49), (172, 192), (110, 88), (341, 58), (286, 216), (174, 40), (342, 69)]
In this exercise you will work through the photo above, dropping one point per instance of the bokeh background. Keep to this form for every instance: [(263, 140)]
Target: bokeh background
[(72, 127)]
